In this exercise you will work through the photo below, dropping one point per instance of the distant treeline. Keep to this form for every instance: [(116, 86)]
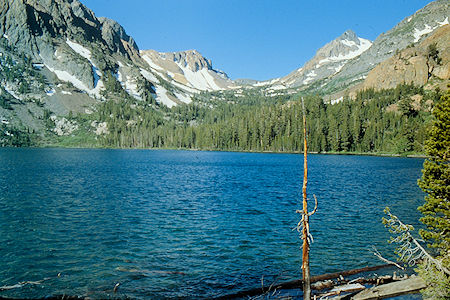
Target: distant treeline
[(376, 121)]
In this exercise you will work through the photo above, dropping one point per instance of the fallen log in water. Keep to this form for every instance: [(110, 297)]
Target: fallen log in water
[(393, 289), (348, 288), (298, 284)]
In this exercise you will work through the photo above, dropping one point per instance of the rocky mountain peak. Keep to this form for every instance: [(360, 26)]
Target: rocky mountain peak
[(328, 60), (67, 38), (348, 35), (346, 46), (188, 68), (113, 33), (191, 59), (31, 24)]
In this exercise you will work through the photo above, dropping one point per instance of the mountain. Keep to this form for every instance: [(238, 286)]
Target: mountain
[(347, 60), (408, 32), (187, 68), (52, 32), (65, 72), (78, 48), (57, 58), (75, 47), (329, 60)]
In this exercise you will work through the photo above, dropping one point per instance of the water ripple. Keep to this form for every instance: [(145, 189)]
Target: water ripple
[(179, 224)]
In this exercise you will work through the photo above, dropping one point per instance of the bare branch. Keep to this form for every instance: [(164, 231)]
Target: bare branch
[(377, 254), (315, 206), (409, 250)]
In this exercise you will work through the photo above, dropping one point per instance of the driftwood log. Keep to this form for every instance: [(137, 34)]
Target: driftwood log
[(393, 289), (298, 284)]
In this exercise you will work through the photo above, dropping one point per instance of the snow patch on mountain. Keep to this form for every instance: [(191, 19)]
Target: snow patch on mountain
[(67, 77), (348, 43), (335, 101), (183, 97), (445, 22), (11, 91), (200, 79), (187, 70), (310, 77), (131, 87), (362, 47), (150, 62), (163, 97), (84, 52), (149, 76), (128, 83), (184, 87), (338, 68), (418, 33)]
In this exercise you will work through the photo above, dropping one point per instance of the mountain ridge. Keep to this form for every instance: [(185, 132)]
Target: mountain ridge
[(341, 63), (57, 60), (405, 33), (85, 60)]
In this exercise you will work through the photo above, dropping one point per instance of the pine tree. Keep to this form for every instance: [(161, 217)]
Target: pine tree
[(435, 182)]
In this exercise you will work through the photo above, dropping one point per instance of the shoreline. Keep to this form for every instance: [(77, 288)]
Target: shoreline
[(376, 154)]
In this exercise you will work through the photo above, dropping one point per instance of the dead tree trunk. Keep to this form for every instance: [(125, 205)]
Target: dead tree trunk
[(305, 217), (303, 225)]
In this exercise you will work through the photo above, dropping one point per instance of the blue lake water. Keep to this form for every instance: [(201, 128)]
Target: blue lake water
[(185, 224)]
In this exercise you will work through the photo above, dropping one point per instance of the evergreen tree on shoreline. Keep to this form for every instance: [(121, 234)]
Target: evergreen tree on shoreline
[(435, 182)]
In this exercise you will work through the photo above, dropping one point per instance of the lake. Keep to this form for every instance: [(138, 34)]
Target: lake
[(188, 224)]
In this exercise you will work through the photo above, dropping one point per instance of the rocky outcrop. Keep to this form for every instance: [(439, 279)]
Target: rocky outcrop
[(190, 59), (114, 35), (416, 64), (29, 24)]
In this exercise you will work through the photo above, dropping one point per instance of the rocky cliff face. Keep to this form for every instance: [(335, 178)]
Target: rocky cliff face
[(32, 24), (423, 63)]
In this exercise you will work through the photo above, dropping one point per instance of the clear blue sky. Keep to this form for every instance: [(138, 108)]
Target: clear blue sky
[(257, 39)]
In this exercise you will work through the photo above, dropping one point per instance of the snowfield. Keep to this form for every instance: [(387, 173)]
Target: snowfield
[(86, 53), (201, 80), (67, 77), (363, 46), (418, 33), (163, 98)]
